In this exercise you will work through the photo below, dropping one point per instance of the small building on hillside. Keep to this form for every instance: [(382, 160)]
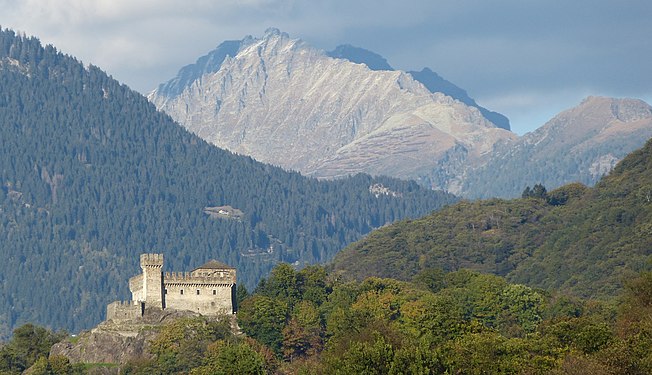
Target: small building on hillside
[(207, 290)]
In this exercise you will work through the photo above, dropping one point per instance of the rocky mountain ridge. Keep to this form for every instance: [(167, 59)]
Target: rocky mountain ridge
[(284, 102), (580, 144), (338, 113), (431, 80)]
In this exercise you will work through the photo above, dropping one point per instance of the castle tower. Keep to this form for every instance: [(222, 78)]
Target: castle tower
[(152, 266)]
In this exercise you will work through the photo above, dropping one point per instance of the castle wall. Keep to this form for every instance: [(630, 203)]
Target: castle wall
[(226, 276), (136, 288), (124, 310), (203, 299)]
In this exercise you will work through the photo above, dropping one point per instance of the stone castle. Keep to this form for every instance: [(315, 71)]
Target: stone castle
[(207, 290)]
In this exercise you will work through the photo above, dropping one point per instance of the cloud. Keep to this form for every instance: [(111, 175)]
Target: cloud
[(494, 49)]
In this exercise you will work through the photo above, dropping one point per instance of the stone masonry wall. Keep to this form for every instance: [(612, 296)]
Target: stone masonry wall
[(124, 310), (136, 288), (206, 299), (152, 266)]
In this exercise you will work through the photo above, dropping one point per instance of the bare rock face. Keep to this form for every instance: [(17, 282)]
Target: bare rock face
[(283, 102), (117, 341)]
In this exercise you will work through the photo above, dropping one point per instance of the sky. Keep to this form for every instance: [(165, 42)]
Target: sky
[(528, 59)]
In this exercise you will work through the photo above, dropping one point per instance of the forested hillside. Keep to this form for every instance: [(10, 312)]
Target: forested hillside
[(584, 241), (92, 175)]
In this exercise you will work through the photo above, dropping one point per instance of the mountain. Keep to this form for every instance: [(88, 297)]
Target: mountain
[(205, 65), (91, 175), (282, 101), (360, 56), (431, 80), (580, 144), (583, 241), (435, 83), (338, 113)]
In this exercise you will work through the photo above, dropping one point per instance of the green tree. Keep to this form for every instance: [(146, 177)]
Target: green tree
[(231, 359), (522, 306), (263, 318), (241, 294), (303, 334), (368, 358), (430, 278), (28, 344), (181, 345)]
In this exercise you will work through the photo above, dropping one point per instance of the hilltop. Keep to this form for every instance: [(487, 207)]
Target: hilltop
[(580, 240)]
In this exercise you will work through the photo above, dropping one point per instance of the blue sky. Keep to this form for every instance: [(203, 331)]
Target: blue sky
[(527, 59)]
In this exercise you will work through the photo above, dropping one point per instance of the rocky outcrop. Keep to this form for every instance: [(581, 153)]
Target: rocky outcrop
[(117, 341), (284, 102)]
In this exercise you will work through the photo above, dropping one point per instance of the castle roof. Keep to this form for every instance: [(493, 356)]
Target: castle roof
[(213, 265)]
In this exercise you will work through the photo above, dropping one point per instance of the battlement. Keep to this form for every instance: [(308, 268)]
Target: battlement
[(219, 278), (125, 303), (151, 260)]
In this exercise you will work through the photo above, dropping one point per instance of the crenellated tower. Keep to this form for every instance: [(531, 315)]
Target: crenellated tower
[(153, 289)]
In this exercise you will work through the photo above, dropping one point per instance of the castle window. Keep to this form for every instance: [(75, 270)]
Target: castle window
[(197, 291), (166, 291), (181, 291), (214, 292)]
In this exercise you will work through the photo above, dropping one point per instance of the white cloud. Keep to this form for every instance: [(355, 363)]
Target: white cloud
[(491, 49)]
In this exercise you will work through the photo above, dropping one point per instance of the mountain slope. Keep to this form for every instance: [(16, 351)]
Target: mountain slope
[(431, 80), (585, 241), (283, 102), (204, 65), (580, 144), (91, 175), (435, 83), (360, 56)]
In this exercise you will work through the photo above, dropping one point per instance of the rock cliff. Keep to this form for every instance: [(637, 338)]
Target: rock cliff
[(117, 341)]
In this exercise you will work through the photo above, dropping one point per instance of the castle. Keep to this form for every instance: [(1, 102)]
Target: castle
[(207, 290)]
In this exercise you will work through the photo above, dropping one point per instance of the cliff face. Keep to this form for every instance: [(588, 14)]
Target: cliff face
[(285, 103), (118, 341)]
